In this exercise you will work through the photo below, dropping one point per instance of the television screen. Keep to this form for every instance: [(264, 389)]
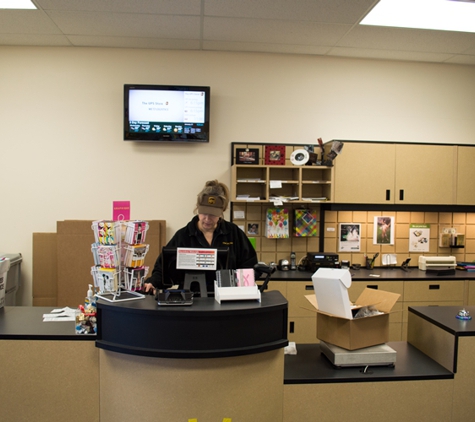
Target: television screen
[(166, 113)]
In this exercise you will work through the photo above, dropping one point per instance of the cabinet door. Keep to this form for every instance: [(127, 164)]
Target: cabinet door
[(465, 175), (364, 173), (433, 293), (425, 174), (471, 293), (299, 306)]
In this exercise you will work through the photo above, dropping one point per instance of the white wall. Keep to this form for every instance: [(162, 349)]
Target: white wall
[(61, 150)]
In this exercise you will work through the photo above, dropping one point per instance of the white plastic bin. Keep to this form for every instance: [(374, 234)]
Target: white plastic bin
[(12, 277)]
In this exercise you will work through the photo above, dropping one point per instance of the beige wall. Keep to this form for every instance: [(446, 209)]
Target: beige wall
[(62, 155)]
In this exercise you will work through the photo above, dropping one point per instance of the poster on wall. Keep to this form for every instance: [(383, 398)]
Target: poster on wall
[(383, 232), (419, 235), (350, 239), (277, 223)]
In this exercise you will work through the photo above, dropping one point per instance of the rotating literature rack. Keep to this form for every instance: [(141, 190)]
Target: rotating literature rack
[(119, 255)]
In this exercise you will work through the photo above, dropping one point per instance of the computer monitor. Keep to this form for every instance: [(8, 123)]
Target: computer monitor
[(171, 275)]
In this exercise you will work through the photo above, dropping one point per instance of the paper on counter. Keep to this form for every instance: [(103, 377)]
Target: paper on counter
[(64, 314)]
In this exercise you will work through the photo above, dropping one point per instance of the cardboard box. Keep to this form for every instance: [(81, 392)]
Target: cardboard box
[(336, 323), (62, 261)]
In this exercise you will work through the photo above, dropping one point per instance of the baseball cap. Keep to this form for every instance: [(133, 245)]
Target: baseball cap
[(211, 204)]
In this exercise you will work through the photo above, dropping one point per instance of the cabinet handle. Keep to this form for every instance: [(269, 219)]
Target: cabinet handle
[(291, 327), (434, 286), (309, 287), (401, 195), (372, 286), (388, 195)]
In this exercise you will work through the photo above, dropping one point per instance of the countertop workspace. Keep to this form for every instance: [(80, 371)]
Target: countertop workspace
[(377, 273)]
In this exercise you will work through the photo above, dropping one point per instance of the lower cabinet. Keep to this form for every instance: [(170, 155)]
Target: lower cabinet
[(302, 316), (302, 321), (470, 292), (431, 293)]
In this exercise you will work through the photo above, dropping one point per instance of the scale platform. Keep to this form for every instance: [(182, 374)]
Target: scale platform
[(380, 355)]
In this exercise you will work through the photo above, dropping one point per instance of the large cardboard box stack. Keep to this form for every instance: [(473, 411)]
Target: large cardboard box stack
[(336, 322), (62, 261)]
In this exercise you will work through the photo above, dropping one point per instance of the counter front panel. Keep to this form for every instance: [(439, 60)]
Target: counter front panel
[(205, 329)]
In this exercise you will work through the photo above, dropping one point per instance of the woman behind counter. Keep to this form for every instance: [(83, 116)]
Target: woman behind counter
[(208, 229)]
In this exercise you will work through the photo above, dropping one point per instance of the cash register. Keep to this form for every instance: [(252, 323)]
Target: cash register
[(315, 260)]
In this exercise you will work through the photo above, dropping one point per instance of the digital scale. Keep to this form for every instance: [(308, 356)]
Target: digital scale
[(380, 355)]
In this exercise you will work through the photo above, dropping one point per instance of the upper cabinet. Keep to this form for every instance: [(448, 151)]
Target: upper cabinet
[(425, 174), (390, 173), (364, 173), (465, 175)]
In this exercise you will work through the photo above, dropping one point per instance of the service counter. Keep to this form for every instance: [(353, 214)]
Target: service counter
[(50, 373), (416, 388), (205, 329), (451, 342), (205, 361), (147, 363)]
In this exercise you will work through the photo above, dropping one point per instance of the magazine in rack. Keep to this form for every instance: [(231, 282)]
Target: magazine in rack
[(119, 256)]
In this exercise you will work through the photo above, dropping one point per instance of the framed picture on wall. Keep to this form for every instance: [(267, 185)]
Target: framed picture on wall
[(275, 155), (350, 240), (383, 232), (247, 156)]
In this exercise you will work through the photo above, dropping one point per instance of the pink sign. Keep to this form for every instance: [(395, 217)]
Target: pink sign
[(121, 210)]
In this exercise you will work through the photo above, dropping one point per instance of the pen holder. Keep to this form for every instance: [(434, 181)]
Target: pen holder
[(369, 263)]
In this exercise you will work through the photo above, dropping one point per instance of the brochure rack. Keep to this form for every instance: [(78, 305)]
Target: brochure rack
[(119, 257)]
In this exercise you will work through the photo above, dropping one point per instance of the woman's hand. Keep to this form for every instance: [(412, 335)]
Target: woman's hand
[(147, 287)]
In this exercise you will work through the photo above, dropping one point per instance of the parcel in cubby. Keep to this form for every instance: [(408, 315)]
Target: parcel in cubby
[(336, 322)]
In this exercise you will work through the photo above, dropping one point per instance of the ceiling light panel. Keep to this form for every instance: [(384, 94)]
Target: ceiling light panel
[(445, 15), (17, 4)]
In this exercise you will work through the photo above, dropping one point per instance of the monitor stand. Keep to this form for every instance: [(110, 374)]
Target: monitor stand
[(191, 278)]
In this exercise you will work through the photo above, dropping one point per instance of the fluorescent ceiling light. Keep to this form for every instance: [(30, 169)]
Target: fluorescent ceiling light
[(445, 15), (17, 4)]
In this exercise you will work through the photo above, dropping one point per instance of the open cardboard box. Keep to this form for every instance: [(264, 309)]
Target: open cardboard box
[(335, 313)]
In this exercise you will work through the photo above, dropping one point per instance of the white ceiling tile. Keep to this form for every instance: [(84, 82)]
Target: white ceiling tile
[(260, 30), (128, 42), (387, 54), (407, 39), (335, 11), (264, 47), (462, 59), (168, 7), (469, 51), (34, 40), (26, 22), (279, 26), (126, 24)]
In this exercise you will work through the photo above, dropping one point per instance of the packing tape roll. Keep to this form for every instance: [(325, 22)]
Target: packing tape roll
[(299, 157)]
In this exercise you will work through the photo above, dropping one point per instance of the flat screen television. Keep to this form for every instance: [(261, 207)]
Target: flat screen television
[(166, 113), (172, 276)]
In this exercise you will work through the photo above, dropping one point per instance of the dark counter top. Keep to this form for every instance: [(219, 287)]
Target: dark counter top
[(201, 307), (26, 323), (309, 366), (205, 329), (445, 318), (378, 274)]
